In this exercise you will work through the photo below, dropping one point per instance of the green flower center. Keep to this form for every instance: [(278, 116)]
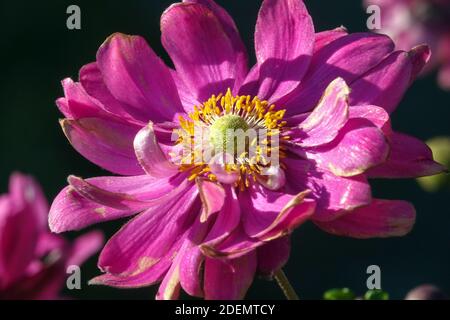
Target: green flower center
[(223, 130)]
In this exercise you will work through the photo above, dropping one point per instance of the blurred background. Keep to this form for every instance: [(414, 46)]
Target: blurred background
[(38, 51)]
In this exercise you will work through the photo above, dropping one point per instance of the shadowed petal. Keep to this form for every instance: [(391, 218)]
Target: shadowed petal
[(326, 37), (273, 256), (382, 218), (229, 279), (212, 196), (409, 158)]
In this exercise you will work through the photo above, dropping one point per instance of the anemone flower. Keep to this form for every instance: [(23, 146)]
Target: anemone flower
[(413, 22), (33, 261), (208, 226)]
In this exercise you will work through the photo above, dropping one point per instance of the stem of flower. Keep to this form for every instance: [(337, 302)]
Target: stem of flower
[(285, 285)]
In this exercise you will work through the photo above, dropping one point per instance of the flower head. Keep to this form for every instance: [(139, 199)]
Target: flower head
[(414, 22), (33, 261), (313, 115)]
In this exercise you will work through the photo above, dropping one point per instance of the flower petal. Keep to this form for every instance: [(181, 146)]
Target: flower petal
[(269, 214), (108, 144), (382, 218), (136, 76), (409, 158), (229, 279), (385, 84), (377, 115), (330, 115), (347, 57), (333, 194), (72, 211), (273, 256), (206, 52), (213, 197), (284, 40), (150, 156), (326, 37), (84, 247), (359, 146), (146, 239)]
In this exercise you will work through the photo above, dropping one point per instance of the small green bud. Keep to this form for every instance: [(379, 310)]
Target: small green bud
[(339, 294), (376, 295)]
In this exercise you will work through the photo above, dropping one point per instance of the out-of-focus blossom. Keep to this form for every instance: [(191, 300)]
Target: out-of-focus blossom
[(414, 22), (33, 261), (426, 292), (209, 227), (441, 152)]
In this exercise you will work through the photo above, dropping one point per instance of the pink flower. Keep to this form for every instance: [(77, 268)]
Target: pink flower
[(414, 22), (33, 261), (208, 227)]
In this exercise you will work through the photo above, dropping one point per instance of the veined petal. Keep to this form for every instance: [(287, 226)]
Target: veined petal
[(212, 196), (347, 57), (106, 143), (377, 115), (205, 50), (136, 76), (72, 211), (359, 146), (150, 156), (409, 158), (326, 37), (229, 279), (148, 237), (382, 218), (284, 41), (330, 115)]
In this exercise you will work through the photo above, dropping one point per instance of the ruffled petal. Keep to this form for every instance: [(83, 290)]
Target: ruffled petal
[(204, 48), (284, 41), (136, 76), (212, 196), (108, 144), (409, 158), (330, 115), (381, 219), (359, 146), (150, 156)]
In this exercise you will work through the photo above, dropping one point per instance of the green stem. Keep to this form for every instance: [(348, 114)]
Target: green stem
[(285, 285)]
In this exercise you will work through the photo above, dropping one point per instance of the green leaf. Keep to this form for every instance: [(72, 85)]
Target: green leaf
[(376, 295), (339, 294)]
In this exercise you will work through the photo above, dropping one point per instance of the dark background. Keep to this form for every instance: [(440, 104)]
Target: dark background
[(37, 51)]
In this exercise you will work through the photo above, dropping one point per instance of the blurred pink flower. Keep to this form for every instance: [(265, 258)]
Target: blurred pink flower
[(33, 261), (413, 22), (208, 228)]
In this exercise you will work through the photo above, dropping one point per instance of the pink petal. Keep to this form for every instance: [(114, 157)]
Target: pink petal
[(347, 57), (268, 214), (382, 218), (230, 28), (326, 37), (385, 84), (377, 115), (330, 115), (108, 144), (333, 194), (72, 211), (284, 40), (273, 255), (409, 158), (229, 279), (150, 156), (213, 197), (206, 52), (359, 146), (136, 76), (93, 83), (145, 241)]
